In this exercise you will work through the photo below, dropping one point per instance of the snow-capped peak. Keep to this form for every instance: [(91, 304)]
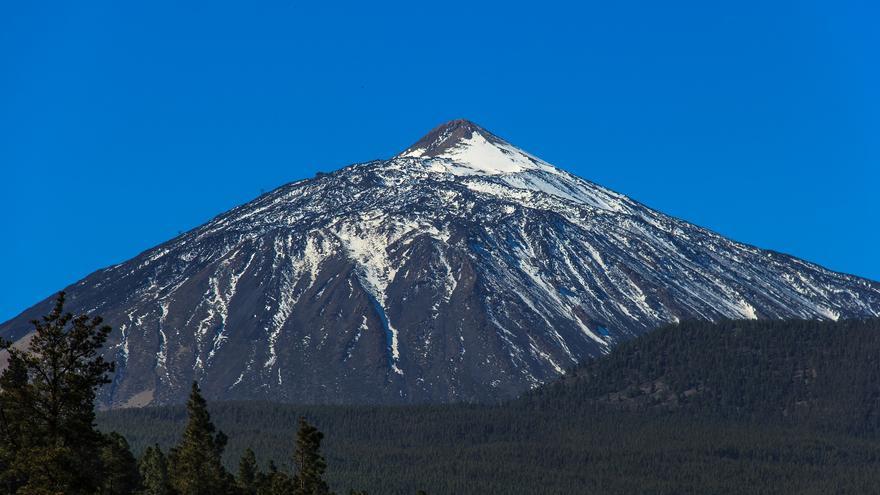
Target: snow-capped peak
[(486, 163), (464, 148)]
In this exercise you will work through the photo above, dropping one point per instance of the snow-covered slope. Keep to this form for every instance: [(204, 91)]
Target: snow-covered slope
[(461, 269)]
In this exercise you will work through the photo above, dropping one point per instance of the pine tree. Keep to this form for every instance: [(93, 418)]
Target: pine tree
[(274, 482), (13, 410), (248, 473), (308, 461), (153, 467), (121, 476), (279, 484), (50, 444), (195, 466)]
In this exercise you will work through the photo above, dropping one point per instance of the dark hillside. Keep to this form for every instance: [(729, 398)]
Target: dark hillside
[(825, 374)]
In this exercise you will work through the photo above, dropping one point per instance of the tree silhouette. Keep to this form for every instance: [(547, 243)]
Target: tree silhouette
[(47, 394), (308, 461), (195, 466)]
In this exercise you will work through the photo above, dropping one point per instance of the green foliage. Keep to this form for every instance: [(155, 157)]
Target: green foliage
[(195, 466), (248, 477), (308, 461), (277, 483), (822, 374), (47, 392), (121, 476), (14, 406), (153, 468), (50, 446)]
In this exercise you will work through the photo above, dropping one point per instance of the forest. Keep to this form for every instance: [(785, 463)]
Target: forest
[(730, 407), (727, 407)]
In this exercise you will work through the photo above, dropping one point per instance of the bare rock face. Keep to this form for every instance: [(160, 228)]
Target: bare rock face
[(461, 269)]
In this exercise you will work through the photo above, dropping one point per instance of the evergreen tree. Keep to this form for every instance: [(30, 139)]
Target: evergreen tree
[(121, 476), (50, 444), (153, 467), (308, 461), (248, 473), (275, 482), (195, 466), (13, 410), (279, 484)]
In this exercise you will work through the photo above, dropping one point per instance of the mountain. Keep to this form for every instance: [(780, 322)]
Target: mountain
[(461, 269)]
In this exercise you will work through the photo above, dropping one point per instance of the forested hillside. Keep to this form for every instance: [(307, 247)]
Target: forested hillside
[(824, 374), (735, 407)]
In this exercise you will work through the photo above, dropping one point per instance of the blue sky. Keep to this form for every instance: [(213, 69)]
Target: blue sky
[(123, 123)]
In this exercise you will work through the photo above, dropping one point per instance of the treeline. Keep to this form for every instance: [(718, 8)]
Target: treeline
[(501, 449), (49, 443), (195, 466)]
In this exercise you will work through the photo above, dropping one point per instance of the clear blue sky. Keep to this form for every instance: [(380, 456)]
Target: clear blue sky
[(122, 123)]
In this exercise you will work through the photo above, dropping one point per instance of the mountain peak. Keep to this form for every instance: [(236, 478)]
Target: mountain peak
[(447, 136), (466, 148)]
